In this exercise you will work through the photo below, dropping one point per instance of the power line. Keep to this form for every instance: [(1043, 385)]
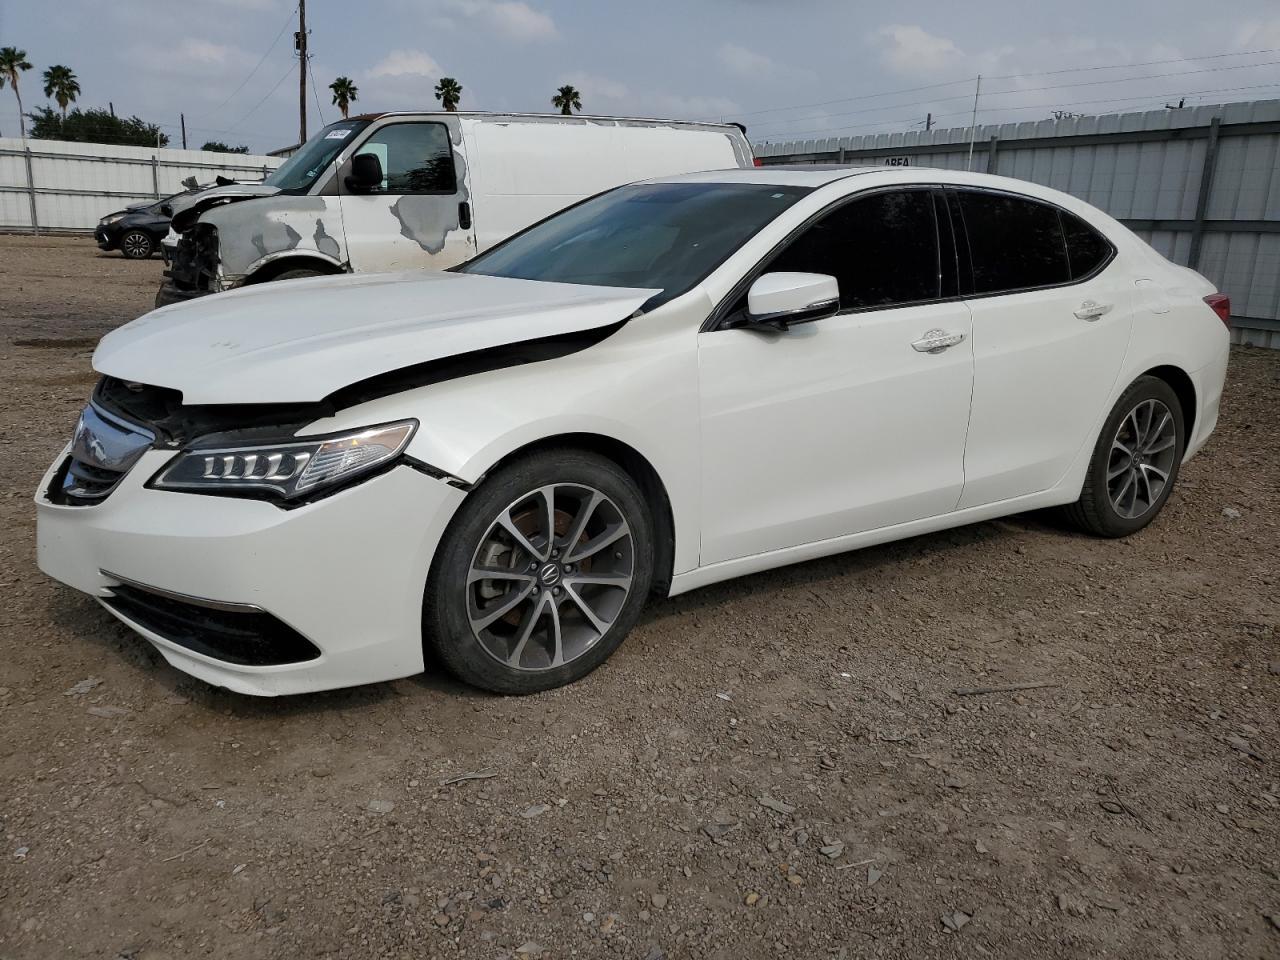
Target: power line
[(256, 66), (315, 91), (1009, 76), (1059, 86), (255, 107)]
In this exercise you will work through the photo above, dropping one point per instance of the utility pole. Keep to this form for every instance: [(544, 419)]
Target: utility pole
[(973, 124), (928, 122), (300, 44), (182, 119)]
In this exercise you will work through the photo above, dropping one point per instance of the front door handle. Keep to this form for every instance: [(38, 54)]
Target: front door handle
[(935, 341), (1091, 310), (464, 215)]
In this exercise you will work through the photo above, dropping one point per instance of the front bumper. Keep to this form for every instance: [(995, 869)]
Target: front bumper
[(171, 293), (107, 237), (346, 573)]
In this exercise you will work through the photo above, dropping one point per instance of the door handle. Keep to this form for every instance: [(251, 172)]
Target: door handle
[(1091, 310), (464, 215), (935, 341)]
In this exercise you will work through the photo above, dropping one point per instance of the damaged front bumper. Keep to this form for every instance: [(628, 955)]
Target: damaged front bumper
[(193, 269)]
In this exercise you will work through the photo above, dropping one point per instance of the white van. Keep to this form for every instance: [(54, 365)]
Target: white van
[(398, 191)]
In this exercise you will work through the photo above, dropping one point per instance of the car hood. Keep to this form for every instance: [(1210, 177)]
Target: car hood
[(187, 208), (297, 341)]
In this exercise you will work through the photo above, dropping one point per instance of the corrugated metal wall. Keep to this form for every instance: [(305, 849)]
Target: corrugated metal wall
[(1146, 169), (74, 185)]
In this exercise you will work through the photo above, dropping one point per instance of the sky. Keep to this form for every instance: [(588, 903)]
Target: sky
[(787, 69)]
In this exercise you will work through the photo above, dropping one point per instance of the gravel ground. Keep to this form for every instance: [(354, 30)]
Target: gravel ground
[(777, 766)]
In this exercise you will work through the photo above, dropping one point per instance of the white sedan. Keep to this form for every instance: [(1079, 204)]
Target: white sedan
[(302, 485)]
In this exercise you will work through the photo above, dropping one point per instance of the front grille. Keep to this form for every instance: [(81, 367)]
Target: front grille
[(86, 482), (236, 634)]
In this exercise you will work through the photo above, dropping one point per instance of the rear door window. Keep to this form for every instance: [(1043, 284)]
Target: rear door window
[(882, 249), (1015, 243)]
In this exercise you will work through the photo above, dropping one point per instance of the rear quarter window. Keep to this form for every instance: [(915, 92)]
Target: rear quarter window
[(1087, 249)]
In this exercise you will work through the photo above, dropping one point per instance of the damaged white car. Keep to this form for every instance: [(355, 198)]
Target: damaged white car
[(305, 485)]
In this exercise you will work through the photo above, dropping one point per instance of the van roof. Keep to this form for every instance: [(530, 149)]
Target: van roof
[(550, 117)]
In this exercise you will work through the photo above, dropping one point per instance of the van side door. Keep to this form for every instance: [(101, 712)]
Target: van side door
[(419, 217)]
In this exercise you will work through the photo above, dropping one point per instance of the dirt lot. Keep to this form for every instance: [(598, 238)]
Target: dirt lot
[(774, 767)]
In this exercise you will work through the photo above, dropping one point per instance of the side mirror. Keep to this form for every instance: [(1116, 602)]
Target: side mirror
[(366, 173), (780, 299)]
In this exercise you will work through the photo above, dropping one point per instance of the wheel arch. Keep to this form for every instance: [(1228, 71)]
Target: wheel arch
[(272, 266), (638, 466), (1184, 388)]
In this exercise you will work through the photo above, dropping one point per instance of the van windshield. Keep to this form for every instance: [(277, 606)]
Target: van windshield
[(658, 235), (300, 171)]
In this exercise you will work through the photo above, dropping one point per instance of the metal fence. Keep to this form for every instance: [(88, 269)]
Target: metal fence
[(55, 186), (1201, 184)]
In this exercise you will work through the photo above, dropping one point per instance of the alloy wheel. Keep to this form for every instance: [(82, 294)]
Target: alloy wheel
[(550, 576), (1142, 458), (135, 245)]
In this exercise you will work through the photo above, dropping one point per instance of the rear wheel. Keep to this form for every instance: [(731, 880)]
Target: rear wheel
[(137, 245), (1135, 462), (542, 573)]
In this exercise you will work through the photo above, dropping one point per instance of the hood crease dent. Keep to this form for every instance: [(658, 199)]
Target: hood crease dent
[(299, 341)]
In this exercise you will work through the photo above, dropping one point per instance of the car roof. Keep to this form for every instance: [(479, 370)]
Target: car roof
[(781, 175)]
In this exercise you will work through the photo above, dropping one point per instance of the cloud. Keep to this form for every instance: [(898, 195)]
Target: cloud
[(1259, 34), (405, 63), (912, 49), (743, 62), (601, 87), (514, 19)]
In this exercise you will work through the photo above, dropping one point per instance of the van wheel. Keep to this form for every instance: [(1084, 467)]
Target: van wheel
[(1135, 462), (541, 574), (299, 274)]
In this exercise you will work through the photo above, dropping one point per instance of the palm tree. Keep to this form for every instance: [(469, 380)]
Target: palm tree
[(61, 84), (449, 92), (12, 60), (344, 93), (567, 100)]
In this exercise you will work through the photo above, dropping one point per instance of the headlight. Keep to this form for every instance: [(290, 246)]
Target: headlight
[(287, 470), (107, 221)]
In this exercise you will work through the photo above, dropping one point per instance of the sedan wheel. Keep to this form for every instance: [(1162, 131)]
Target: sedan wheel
[(1142, 455), (542, 573), (136, 245), (1135, 462)]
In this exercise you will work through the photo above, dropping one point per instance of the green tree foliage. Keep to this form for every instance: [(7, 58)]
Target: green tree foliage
[(217, 146), (95, 126)]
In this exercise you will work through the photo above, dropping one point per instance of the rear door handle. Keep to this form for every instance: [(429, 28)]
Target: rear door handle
[(935, 341), (464, 215), (1092, 310)]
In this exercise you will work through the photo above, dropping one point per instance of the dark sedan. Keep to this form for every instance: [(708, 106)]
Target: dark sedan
[(135, 231)]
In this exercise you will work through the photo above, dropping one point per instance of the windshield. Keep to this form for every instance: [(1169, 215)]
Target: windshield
[(664, 235), (299, 172)]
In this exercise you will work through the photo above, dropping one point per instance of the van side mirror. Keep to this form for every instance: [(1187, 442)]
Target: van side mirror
[(779, 300), (366, 173)]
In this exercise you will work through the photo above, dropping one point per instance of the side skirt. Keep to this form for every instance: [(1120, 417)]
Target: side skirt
[(744, 566)]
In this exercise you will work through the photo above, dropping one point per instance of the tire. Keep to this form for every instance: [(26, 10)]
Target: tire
[(299, 274), (137, 245), (1120, 494), (475, 624)]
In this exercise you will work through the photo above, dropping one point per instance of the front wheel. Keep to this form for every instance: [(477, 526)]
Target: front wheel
[(542, 573), (1135, 462), (137, 245)]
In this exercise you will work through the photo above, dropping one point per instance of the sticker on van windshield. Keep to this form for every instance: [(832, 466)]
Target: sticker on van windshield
[(337, 134)]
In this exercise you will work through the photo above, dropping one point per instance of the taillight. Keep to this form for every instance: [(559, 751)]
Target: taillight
[(1220, 304), (759, 162)]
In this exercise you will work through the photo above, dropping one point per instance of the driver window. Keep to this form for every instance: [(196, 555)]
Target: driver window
[(882, 249), (415, 157)]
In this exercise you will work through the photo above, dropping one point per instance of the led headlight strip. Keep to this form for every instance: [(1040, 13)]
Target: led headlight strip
[(287, 470)]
